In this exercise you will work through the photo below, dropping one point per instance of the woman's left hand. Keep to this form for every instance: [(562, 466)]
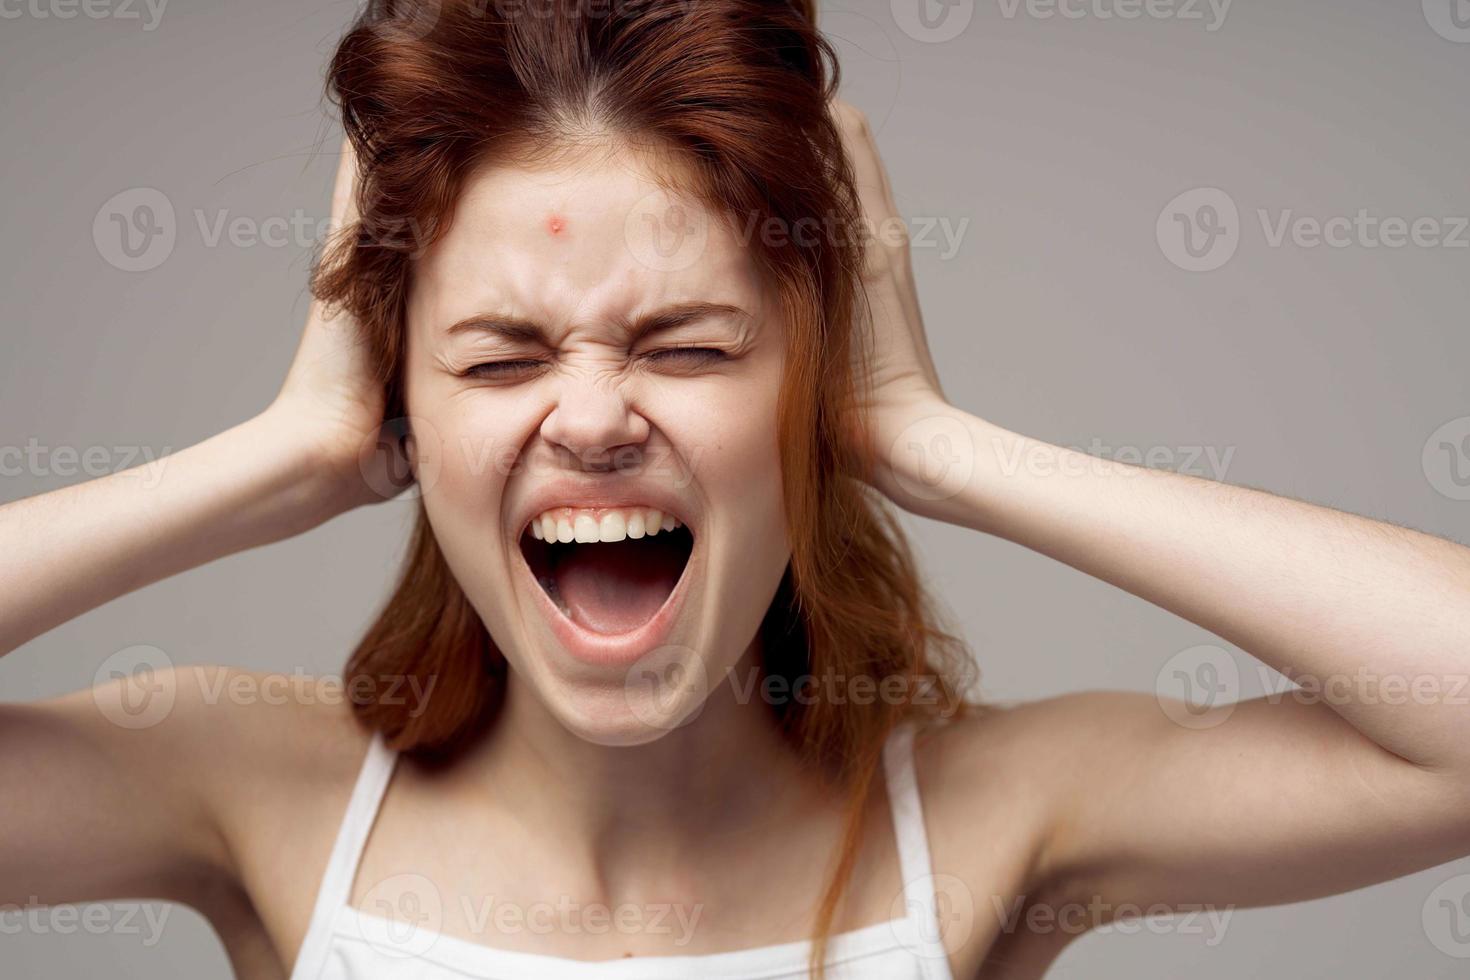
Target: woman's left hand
[(903, 386)]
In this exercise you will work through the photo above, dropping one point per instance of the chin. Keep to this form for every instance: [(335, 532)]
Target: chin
[(627, 717), (661, 691)]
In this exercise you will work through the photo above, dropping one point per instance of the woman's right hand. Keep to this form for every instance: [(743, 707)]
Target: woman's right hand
[(331, 401), (119, 802), (318, 450)]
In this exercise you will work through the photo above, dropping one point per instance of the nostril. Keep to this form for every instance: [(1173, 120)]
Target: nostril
[(627, 457), (596, 431)]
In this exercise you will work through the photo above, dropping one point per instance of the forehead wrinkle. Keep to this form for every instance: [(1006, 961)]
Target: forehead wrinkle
[(498, 259), (511, 283)]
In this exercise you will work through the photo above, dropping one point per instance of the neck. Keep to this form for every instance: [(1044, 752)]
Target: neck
[(729, 770)]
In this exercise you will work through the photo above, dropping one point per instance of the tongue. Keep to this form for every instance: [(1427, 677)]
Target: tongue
[(617, 587)]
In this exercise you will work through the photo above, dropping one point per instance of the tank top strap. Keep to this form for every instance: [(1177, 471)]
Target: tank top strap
[(357, 822), (921, 913)]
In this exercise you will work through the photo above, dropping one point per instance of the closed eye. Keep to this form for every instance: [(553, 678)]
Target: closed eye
[(505, 370), (522, 368), (686, 356)]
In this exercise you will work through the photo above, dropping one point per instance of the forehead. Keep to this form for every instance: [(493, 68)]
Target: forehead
[(594, 236)]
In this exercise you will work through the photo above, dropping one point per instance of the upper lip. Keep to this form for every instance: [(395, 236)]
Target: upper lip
[(569, 493)]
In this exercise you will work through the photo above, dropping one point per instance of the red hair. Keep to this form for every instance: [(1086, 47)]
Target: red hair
[(740, 91)]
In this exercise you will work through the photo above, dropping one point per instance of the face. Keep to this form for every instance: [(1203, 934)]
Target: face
[(593, 363)]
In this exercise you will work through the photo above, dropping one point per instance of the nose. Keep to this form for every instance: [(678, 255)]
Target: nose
[(594, 422)]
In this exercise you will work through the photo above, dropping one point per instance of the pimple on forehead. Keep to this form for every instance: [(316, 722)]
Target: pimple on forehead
[(555, 223)]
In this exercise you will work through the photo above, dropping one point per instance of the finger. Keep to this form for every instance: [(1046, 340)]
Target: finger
[(888, 262), (871, 176), (344, 196), (343, 213), (855, 139), (884, 230)]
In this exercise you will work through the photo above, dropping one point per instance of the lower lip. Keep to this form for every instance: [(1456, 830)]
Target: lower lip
[(611, 649)]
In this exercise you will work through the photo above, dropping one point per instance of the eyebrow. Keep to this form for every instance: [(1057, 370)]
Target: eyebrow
[(677, 315)]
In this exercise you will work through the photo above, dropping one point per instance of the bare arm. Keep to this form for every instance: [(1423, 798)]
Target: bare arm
[(98, 807), (73, 549), (1256, 803), (273, 476), (1364, 777), (1313, 592)]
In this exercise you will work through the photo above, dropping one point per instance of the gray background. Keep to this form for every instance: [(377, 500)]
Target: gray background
[(1315, 372)]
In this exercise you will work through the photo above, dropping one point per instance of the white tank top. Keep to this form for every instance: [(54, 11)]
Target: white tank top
[(346, 943)]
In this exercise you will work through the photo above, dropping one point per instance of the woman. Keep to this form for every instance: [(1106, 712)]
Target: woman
[(658, 693)]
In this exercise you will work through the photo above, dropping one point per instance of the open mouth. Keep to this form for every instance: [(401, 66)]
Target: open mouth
[(609, 570)]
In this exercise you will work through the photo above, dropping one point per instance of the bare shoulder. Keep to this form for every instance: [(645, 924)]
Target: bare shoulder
[(243, 740), (1032, 743), (275, 758), (1009, 770), (225, 726), (997, 783), (162, 782)]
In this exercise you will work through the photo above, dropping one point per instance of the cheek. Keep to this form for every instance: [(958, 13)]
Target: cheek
[(478, 437), (727, 442), (481, 441), (477, 433)]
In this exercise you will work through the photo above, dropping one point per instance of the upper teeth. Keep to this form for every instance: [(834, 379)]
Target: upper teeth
[(588, 526)]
